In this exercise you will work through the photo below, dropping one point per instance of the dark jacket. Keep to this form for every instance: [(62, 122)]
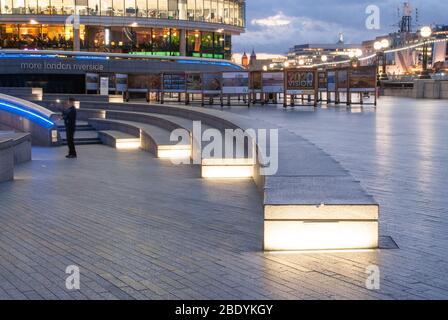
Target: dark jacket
[(69, 116)]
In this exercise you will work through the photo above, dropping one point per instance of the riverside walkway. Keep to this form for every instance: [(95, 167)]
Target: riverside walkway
[(112, 214)]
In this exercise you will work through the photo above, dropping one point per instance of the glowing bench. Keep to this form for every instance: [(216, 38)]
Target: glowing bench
[(334, 213), (119, 140), (227, 168)]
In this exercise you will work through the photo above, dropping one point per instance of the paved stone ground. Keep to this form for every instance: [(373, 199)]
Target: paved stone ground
[(140, 228)]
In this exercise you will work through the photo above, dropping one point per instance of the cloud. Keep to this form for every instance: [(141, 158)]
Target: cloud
[(278, 20)]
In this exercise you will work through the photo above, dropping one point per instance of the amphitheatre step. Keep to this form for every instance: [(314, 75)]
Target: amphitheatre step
[(119, 140), (82, 137), (153, 139)]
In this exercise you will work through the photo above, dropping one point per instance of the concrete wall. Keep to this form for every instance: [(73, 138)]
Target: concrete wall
[(423, 89)]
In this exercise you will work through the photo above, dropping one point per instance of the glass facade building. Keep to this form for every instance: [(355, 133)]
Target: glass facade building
[(199, 28)]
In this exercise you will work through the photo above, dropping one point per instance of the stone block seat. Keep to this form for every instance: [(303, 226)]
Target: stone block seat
[(310, 203), (152, 138), (15, 148)]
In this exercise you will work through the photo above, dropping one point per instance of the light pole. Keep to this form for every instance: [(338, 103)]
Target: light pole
[(380, 47), (425, 32)]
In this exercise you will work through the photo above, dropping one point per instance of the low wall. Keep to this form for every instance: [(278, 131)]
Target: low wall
[(24, 116), (6, 160), (422, 89)]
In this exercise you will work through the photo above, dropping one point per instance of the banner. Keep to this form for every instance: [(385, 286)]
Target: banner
[(322, 81), (331, 81), (212, 83), (235, 82), (362, 79), (342, 78), (92, 80), (301, 81), (194, 82), (121, 82), (154, 81), (273, 82), (174, 82), (104, 86)]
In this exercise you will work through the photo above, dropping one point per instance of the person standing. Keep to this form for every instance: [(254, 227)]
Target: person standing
[(69, 115)]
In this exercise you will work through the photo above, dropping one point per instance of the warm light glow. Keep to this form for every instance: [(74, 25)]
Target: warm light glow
[(286, 64), (385, 43), (134, 24), (321, 235), (426, 32), (229, 172), (351, 54), (301, 62), (32, 21), (377, 45), (265, 68), (324, 58), (174, 152), (358, 53), (127, 144)]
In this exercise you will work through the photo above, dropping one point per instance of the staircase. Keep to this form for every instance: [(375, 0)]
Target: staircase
[(85, 134)]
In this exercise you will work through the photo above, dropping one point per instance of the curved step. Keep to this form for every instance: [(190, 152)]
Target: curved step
[(119, 140), (153, 139)]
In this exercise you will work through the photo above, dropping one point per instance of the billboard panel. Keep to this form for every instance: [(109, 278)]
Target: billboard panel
[(235, 82), (212, 83), (137, 83), (194, 82), (362, 79), (121, 82), (342, 79), (322, 81), (301, 81), (174, 82), (331, 81), (273, 82), (92, 81)]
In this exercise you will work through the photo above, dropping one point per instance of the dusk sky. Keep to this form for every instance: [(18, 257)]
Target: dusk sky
[(273, 26)]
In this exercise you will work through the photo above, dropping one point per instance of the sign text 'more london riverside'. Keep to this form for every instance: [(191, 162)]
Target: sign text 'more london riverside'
[(61, 66)]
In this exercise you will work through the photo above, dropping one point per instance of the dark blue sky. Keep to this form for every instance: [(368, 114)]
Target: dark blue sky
[(273, 26)]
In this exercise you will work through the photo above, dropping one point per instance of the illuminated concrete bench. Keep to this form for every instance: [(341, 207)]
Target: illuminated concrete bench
[(227, 168), (119, 140), (152, 138), (314, 213)]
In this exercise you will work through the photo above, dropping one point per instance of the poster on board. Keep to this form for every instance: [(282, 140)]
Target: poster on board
[(362, 79), (121, 82), (194, 82), (322, 80), (235, 82), (273, 82), (174, 82), (342, 80), (154, 82), (104, 86), (212, 83), (301, 81), (92, 81), (331, 81)]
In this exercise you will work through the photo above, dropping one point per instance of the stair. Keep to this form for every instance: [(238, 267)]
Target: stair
[(85, 134)]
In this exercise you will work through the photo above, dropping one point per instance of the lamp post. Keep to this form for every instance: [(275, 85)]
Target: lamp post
[(380, 47), (425, 32)]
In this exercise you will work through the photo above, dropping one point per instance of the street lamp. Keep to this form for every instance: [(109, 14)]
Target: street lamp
[(380, 47), (425, 32)]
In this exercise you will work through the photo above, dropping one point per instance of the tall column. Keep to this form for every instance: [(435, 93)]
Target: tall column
[(76, 39), (183, 42)]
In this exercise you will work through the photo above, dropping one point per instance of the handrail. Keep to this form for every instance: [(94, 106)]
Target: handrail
[(27, 109)]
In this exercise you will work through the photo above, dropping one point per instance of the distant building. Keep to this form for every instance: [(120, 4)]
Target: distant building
[(315, 53), (245, 60)]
